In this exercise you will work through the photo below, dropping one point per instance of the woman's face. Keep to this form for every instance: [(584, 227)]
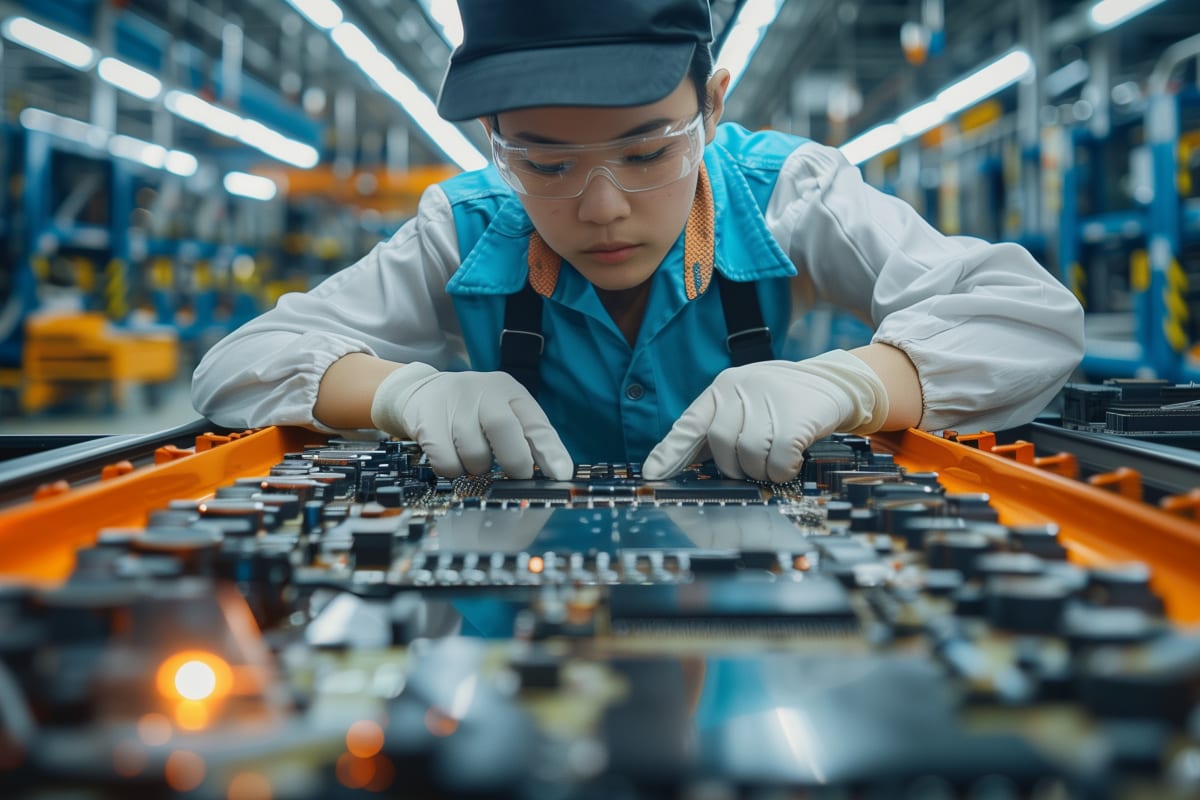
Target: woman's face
[(616, 239)]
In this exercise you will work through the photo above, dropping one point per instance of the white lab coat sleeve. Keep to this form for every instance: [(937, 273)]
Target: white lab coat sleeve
[(392, 304), (992, 334)]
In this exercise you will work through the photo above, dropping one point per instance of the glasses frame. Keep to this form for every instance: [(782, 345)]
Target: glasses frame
[(503, 151)]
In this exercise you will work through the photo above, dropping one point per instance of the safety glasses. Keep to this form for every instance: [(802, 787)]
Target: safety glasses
[(634, 164)]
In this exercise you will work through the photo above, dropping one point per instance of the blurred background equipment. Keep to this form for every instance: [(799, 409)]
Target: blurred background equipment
[(176, 167)]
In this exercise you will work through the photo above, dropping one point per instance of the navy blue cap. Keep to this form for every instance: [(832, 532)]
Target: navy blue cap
[(526, 53)]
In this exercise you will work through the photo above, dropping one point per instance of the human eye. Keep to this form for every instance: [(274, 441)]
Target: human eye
[(548, 167), (646, 157)]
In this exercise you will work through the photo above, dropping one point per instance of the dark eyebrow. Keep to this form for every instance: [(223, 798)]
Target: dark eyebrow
[(645, 127)]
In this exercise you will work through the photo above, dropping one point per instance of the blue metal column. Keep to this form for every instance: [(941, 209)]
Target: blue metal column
[(1166, 332)]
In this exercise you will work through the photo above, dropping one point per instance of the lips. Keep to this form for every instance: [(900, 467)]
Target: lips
[(612, 252)]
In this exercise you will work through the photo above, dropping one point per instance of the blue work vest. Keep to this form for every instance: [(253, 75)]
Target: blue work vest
[(611, 402)]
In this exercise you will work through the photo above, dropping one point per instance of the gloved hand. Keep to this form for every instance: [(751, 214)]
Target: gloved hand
[(461, 419), (758, 419)]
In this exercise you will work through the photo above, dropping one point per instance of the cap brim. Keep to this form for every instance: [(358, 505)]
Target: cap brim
[(620, 74)]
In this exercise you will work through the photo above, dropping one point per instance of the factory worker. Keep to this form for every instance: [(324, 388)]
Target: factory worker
[(620, 284)]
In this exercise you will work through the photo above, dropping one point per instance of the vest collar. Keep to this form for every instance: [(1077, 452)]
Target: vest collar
[(498, 264)]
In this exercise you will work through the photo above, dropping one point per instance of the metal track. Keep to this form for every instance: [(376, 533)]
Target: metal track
[(1165, 470)]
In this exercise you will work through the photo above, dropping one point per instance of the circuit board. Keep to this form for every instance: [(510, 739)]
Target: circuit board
[(347, 623)]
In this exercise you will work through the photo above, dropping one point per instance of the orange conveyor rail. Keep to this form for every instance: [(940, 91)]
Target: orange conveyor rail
[(1099, 520), (1098, 525), (38, 538)]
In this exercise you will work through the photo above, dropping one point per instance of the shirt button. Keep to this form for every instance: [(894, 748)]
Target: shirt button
[(634, 391)]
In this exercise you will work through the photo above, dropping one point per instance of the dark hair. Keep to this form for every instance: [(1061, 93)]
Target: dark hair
[(699, 70)]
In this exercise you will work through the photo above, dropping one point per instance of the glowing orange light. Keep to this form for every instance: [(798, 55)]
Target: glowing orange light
[(184, 770), (354, 772), (191, 715), (154, 729), (385, 773), (249, 786), (364, 738), (536, 565), (194, 675)]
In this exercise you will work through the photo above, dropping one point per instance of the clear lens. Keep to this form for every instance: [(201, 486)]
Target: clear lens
[(635, 164)]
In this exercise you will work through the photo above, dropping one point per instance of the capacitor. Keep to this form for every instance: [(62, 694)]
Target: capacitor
[(955, 550), (1027, 604)]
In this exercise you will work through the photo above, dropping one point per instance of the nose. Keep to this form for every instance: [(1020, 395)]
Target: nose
[(602, 201)]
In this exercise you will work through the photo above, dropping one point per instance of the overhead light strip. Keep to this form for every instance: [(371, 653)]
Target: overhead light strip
[(82, 56), (177, 162), (325, 14), (1111, 13), (984, 83), (149, 154), (962, 94), (255, 187), (361, 51), (49, 42), (747, 30), (129, 78), (445, 17)]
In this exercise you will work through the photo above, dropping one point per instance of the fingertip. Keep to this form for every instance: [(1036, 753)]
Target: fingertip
[(561, 472), (655, 472)]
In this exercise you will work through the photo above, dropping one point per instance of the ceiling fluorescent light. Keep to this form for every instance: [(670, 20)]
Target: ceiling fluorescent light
[(446, 19), (127, 147), (979, 85), (922, 118), (203, 113), (129, 78), (117, 145), (749, 28), (35, 119), (1110, 13), (276, 145), (180, 163), (248, 131), (325, 14), (49, 42), (872, 143), (255, 187), (360, 50), (985, 82), (1066, 77)]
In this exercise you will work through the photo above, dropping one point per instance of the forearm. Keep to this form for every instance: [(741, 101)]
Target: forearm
[(899, 377), (347, 389)]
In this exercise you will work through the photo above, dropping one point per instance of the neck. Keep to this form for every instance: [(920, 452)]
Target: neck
[(627, 307)]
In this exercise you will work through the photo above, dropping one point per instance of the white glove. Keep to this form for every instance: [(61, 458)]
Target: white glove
[(758, 419), (461, 418)]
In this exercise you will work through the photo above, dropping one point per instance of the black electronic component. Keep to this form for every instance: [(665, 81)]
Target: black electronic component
[(708, 491), (518, 490)]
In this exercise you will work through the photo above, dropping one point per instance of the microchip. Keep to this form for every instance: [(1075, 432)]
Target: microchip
[(516, 490), (709, 491)]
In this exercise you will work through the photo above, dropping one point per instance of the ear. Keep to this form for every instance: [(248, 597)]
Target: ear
[(717, 86), (487, 125)]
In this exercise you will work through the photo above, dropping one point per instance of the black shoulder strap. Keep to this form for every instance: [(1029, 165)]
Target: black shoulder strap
[(521, 341), (749, 338)]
